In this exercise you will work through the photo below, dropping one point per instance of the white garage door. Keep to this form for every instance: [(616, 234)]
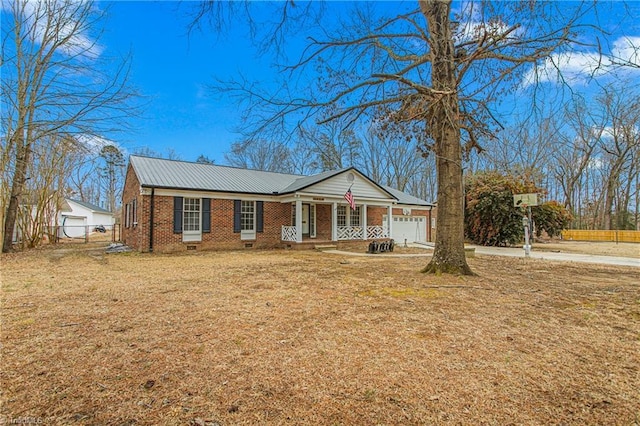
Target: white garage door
[(411, 228), (72, 227)]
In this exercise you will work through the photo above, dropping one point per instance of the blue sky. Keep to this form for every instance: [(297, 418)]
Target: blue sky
[(173, 69)]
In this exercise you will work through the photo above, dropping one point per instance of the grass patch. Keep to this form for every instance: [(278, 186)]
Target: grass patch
[(401, 293)]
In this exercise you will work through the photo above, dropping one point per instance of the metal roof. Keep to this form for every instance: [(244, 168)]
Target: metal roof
[(89, 206), (172, 174), (404, 198), (161, 173)]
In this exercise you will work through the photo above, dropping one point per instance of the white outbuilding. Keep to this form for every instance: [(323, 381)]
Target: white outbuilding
[(78, 217)]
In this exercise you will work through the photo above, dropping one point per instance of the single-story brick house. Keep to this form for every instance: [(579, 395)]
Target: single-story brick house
[(176, 205)]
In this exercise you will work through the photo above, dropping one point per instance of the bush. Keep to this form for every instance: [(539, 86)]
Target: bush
[(551, 217), (492, 220)]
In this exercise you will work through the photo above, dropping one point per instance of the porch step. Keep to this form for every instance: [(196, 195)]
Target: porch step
[(323, 247)]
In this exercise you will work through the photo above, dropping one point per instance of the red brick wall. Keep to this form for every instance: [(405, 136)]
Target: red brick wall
[(275, 216), (323, 221), (221, 236), (374, 215), (132, 234)]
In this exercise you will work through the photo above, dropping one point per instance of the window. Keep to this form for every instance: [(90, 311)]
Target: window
[(191, 217), (247, 220), (355, 216), (135, 211), (191, 214), (312, 221), (342, 216), (293, 214), (127, 217), (247, 216)]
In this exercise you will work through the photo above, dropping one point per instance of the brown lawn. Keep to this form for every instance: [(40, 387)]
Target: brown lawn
[(586, 247), (285, 337)]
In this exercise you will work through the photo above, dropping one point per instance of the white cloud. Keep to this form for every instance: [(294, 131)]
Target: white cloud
[(627, 49), (578, 68), (94, 144), (595, 163), (37, 17), (474, 27)]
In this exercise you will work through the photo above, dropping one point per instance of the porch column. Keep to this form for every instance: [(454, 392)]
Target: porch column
[(298, 221), (364, 221), (334, 222), (389, 219)]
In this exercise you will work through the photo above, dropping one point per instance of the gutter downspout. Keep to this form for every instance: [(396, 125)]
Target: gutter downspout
[(151, 208), (429, 225)]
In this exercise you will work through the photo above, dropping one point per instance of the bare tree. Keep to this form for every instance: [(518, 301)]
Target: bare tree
[(392, 155), (260, 155), (429, 66), (203, 159), (113, 172), (595, 151), (302, 158), (48, 172), (55, 82), (84, 183), (620, 147), (333, 145), (576, 138)]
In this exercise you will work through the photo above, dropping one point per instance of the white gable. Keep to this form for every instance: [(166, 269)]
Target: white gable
[(361, 187), (91, 217)]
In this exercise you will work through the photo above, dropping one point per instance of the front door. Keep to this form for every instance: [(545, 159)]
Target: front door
[(305, 219)]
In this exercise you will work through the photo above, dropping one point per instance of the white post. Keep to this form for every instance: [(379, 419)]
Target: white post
[(389, 219), (527, 246), (334, 222), (298, 221), (363, 211)]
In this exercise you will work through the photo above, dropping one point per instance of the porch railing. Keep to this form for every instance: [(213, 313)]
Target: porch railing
[(377, 232), (288, 233), (350, 232)]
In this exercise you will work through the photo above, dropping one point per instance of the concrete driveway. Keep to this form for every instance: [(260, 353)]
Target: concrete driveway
[(516, 252), (558, 257)]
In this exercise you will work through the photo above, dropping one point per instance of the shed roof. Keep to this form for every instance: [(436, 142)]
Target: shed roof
[(89, 206)]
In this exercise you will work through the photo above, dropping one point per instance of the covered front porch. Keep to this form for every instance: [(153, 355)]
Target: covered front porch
[(315, 220)]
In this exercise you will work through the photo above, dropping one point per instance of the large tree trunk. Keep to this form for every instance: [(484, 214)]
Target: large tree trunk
[(444, 127), (19, 178)]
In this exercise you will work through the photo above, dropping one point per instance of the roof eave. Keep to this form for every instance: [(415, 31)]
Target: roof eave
[(217, 191)]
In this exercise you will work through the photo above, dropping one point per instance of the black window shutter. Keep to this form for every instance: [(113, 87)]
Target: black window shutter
[(206, 215), (259, 215), (177, 215), (236, 215)]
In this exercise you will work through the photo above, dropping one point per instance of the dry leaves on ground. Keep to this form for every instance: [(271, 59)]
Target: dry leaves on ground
[(277, 337)]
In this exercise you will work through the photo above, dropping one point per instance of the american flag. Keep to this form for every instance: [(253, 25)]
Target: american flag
[(349, 197)]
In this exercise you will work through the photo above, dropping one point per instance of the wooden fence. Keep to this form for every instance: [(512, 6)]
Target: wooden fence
[(613, 235)]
